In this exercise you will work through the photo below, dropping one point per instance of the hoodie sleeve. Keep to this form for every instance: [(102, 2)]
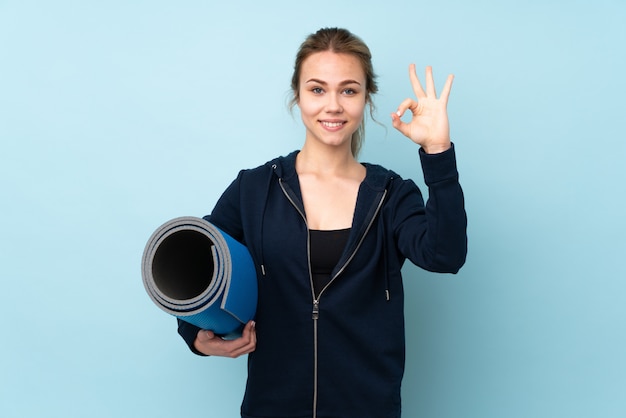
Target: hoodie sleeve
[(433, 236), (226, 216), (189, 333), (227, 212)]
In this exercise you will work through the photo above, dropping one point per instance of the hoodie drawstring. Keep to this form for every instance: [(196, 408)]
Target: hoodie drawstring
[(269, 185), (385, 250)]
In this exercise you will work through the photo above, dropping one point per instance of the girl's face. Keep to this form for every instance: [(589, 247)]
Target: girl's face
[(332, 97)]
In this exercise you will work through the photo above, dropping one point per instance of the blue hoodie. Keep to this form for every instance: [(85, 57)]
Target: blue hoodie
[(341, 354)]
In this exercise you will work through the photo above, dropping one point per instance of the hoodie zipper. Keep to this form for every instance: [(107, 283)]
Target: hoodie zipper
[(316, 304), (316, 301)]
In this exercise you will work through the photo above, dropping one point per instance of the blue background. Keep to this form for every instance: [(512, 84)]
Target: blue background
[(117, 116)]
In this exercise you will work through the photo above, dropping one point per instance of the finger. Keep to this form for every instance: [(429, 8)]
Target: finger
[(248, 330), (445, 92), (248, 335), (245, 349), (242, 351), (430, 83), (397, 123), (415, 82), (246, 343), (407, 104)]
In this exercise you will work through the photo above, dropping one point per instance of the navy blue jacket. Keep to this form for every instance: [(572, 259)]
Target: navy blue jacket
[(341, 355)]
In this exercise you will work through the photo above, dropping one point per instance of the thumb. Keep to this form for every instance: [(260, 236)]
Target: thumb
[(205, 335)]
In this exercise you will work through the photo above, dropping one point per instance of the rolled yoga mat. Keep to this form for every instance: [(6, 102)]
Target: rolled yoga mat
[(199, 274)]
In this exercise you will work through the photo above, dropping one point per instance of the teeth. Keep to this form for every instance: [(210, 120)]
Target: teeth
[(332, 124)]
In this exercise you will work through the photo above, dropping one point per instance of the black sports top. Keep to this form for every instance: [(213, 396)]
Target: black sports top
[(326, 249)]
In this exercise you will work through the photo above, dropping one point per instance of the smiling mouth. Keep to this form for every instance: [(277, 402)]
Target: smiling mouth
[(332, 124)]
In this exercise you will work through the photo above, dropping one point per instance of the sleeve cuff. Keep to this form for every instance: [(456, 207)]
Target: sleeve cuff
[(439, 167), (189, 333)]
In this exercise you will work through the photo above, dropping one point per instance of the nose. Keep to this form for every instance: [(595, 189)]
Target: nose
[(334, 104)]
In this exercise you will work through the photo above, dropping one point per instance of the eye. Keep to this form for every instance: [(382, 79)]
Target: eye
[(350, 92), (317, 90)]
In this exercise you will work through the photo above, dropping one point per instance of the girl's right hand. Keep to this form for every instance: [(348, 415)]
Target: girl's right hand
[(208, 343)]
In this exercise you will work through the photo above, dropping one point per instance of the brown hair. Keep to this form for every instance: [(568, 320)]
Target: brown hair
[(340, 41)]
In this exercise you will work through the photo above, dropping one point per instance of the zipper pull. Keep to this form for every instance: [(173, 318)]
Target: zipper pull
[(316, 309)]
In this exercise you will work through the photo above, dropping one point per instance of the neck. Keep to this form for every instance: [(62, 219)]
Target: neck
[(325, 159)]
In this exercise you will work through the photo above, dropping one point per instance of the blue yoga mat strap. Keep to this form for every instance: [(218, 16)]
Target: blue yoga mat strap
[(198, 273)]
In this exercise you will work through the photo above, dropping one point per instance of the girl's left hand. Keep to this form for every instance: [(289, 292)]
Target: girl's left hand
[(428, 126)]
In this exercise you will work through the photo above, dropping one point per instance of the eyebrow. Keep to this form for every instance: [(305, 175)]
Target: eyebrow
[(323, 83)]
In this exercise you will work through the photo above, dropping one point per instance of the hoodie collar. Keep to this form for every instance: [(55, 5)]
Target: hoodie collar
[(377, 177)]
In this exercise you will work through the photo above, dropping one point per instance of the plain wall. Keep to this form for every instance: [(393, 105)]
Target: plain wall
[(117, 116)]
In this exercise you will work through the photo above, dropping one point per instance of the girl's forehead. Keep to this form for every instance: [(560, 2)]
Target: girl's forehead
[(331, 66)]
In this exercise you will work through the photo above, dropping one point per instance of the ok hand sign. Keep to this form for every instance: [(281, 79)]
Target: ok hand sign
[(428, 126)]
